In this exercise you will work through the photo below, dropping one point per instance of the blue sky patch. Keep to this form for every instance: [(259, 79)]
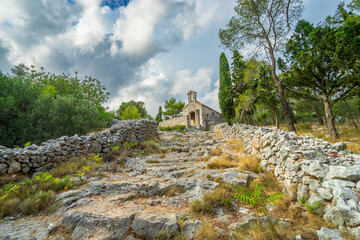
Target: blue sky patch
[(113, 4), (70, 2)]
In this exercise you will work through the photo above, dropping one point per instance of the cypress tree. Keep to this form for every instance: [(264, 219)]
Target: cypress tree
[(159, 117), (225, 89)]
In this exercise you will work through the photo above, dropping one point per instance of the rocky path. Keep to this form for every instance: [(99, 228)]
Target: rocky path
[(144, 200)]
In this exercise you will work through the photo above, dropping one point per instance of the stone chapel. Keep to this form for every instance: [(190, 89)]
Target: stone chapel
[(195, 115)]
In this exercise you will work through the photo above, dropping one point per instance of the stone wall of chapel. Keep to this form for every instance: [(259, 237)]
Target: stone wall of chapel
[(174, 121)]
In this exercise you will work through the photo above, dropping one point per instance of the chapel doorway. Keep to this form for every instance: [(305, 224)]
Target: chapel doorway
[(192, 119)]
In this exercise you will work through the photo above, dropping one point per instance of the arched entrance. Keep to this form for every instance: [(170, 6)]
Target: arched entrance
[(192, 119)]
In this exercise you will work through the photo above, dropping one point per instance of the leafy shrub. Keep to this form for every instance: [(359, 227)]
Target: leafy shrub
[(256, 197)]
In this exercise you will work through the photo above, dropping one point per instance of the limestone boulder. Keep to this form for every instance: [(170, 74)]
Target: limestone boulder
[(191, 227), (150, 224), (3, 168), (342, 216), (345, 193), (344, 173), (329, 234), (316, 169), (14, 167), (88, 226)]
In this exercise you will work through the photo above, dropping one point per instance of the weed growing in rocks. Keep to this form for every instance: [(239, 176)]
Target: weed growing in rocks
[(96, 158), (150, 147), (256, 198)]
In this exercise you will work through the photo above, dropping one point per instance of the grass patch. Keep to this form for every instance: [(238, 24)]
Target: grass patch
[(74, 165), (267, 231), (150, 146), (174, 190), (221, 197), (178, 128), (235, 145), (222, 162), (355, 147), (216, 152), (31, 196), (305, 126)]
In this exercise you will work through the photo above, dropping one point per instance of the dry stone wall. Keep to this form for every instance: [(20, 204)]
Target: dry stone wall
[(44, 157), (316, 169)]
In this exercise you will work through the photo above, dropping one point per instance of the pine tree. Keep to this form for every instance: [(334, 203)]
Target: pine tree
[(225, 89)]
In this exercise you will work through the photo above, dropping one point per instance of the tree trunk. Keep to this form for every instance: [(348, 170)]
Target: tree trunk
[(285, 105), (318, 114), (330, 118), (350, 115), (245, 119), (242, 115), (277, 119)]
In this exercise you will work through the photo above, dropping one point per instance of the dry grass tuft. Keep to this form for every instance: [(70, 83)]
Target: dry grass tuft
[(222, 162), (236, 145), (221, 197), (268, 231), (216, 152), (208, 232), (248, 163), (301, 222)]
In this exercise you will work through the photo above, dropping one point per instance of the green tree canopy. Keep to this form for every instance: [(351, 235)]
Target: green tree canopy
[(63, 84), (35, 110), (265, 24), (139, 105), (173, 108), (326, 60), (131, 112)]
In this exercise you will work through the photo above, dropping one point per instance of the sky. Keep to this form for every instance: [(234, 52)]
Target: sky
[(142, 50)]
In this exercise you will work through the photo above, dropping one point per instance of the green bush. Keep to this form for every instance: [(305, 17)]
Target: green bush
[(37, 106), (179, 128)]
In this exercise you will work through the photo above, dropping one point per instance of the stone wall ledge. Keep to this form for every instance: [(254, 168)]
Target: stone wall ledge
[(36, 158), (316, 169)]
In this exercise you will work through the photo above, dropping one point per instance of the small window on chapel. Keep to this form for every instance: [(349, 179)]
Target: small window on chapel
[(213, 113), (192, 97)]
